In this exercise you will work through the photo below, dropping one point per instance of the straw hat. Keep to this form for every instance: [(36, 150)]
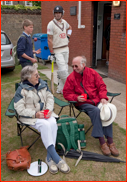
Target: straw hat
[(107, 113)]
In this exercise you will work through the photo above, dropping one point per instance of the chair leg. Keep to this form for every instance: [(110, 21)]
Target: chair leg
[(72, 108), (19, 132), (88, 129), (18, 129), (60, 111), (33, 142)]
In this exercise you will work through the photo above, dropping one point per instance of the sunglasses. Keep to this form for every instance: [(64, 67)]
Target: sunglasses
[(74, 66)]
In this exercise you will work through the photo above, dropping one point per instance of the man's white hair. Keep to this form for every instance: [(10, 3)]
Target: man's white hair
[(83, 60), (27, 71)]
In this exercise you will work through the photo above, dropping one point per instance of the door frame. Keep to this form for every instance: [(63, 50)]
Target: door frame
[(98, 16)]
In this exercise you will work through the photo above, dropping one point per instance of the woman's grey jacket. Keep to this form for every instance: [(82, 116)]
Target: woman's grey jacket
[(28, 100)]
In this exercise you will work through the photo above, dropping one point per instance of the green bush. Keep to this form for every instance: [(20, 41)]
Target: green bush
[(20, 7)]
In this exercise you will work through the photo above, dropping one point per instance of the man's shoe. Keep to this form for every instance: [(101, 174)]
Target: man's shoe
[(52, 166), (113, 149), (63, 167), (105, 149)]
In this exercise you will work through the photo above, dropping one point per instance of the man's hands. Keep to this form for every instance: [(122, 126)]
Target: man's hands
[(104, 101), (37, 52), (40, 114), (52, 57), (81, 98), (33, 60)]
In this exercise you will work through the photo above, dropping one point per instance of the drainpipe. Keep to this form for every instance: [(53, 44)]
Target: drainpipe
[(79, 16)]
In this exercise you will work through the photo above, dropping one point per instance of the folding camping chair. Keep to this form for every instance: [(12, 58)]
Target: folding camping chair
[(72, 106), (11, 112)]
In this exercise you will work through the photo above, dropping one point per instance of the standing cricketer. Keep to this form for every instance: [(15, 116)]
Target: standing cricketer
[(59, 32)]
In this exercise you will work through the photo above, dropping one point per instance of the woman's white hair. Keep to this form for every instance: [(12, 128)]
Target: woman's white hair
[(27, 71)]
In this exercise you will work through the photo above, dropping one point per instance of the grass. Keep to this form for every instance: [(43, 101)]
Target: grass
[(85, 171)]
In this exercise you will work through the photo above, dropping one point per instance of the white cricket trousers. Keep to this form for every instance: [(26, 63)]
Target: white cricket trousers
[(62, 63), (48, 129)]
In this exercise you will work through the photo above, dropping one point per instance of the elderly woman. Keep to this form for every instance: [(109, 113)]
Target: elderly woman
[(31, 99)]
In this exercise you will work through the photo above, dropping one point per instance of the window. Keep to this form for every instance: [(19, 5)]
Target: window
[(1, 2), (8, 2), (27, 3), (4, 39)]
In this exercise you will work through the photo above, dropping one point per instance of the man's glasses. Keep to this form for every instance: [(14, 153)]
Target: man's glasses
[(74, 66)]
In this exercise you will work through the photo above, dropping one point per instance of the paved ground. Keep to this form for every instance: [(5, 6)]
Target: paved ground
[(112, 86)]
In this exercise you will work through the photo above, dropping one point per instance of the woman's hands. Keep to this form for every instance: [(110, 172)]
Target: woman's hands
[(40, 114), (49, 114)]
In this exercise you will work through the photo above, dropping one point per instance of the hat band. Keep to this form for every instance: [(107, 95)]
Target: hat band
[(110, 116)]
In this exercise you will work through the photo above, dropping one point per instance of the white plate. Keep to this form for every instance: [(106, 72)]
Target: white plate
[(33, 170)]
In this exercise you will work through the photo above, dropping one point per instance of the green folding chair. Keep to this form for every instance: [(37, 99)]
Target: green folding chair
[(21, 127), (11, 112), (72, 106), (61, 103)]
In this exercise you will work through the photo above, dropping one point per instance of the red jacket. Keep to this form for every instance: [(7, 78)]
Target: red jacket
[(92, 83)]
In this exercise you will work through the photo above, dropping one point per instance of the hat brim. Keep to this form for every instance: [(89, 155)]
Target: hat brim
[(114, 111)]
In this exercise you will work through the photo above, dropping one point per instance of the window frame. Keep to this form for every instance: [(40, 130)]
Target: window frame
[(8, 42), (9, 4), (30, 3)]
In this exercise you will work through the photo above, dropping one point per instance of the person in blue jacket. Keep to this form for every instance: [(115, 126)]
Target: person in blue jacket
[(24, 45)]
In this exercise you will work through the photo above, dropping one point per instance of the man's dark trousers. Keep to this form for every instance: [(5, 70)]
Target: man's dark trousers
[(94, 113), (26, 64)]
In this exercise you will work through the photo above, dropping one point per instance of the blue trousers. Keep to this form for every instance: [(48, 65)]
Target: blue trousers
[(94, 113)]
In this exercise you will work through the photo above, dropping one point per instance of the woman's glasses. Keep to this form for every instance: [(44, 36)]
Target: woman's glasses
[(37, 75)]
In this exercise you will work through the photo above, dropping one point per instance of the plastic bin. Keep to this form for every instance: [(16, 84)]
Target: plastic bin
[(41, 42)]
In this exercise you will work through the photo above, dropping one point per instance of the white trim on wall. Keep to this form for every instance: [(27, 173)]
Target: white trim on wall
[(27, 3), (8, 3)]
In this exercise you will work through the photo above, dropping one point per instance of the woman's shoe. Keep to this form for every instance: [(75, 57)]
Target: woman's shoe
[(63, 167), (52, 166)]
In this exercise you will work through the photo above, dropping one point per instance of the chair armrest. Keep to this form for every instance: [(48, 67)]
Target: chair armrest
[(72, 102), (112, 95), (10, 113), (60, 102)]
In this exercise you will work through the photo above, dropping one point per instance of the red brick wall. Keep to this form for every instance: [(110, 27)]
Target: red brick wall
[(117, 54), (81, 39)]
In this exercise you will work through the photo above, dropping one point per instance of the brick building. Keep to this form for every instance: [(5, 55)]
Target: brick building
[(90, 41)]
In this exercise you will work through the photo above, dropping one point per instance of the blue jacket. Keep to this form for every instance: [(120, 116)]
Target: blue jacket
[(24, 45)]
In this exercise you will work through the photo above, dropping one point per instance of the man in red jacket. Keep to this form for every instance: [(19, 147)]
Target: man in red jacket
[(86, 80)]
